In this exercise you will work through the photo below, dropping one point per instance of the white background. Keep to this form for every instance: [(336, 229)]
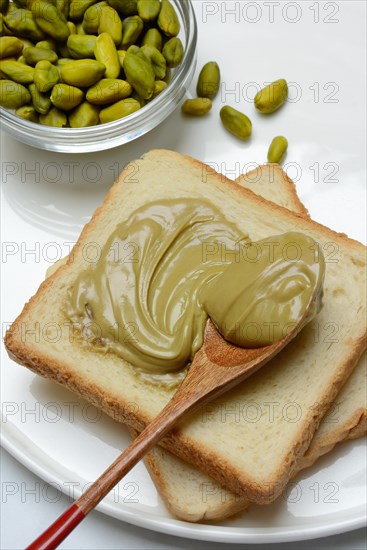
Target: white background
[(46, 198)]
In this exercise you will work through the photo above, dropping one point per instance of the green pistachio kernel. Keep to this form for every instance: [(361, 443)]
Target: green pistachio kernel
[(236, 122), (277, 149), (13, 95), (209, 80), (199, 106), (270, 98), (167, 20), (118, 110)]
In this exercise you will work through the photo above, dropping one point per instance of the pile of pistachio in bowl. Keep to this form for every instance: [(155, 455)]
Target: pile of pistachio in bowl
[(74, 63)]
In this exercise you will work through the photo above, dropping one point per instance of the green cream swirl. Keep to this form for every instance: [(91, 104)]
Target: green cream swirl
[(174, 263)]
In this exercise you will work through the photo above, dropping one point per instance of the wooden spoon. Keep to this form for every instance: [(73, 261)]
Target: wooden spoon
[(217, 367)]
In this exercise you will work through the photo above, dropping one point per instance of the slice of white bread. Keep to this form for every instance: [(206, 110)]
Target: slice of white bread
[(193, 496), (218, 438)]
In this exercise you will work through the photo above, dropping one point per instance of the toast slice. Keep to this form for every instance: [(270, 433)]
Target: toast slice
[(190, 494), (213, 437)]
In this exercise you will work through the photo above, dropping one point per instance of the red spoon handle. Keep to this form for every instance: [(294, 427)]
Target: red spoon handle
[(59, 530)]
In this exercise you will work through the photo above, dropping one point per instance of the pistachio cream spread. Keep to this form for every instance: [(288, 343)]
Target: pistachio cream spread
[(174, 263)]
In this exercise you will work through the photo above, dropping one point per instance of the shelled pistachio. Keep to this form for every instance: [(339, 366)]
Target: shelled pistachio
[(277, 149)]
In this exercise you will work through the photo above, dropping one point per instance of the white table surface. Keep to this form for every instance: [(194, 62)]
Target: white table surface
[(321, 53)]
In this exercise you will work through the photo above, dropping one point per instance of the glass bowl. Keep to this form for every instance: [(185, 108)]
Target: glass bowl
[(112, 134)]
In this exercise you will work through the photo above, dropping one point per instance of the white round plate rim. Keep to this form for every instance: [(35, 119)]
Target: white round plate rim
[(47, 470)]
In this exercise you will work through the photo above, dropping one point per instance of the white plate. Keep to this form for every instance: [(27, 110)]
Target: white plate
[(47, 198)]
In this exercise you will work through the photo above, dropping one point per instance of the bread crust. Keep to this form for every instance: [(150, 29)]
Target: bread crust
[(354, 428), (177, 441), (229, 505), (247, 180)]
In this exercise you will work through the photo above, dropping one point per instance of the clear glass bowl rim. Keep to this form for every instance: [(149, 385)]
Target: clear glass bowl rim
[(118, 132)]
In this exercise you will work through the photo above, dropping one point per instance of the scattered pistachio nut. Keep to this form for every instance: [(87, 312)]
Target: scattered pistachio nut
[(272, 97), (209, 80), (277, 149), (235, 122), (198, 106)]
